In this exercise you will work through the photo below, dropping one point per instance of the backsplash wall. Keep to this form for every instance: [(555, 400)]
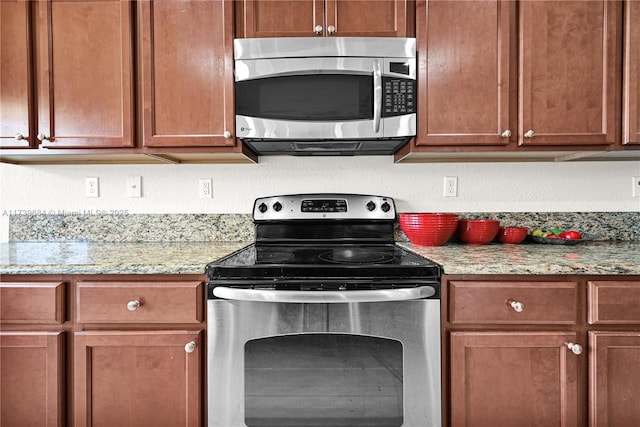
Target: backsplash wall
[(173, 189)]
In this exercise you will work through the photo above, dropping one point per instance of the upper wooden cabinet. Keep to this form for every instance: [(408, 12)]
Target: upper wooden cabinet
[(570, 72), (631, 106), (308, 18), (84, 73), (17, 125), (186, 73), (466, 85)]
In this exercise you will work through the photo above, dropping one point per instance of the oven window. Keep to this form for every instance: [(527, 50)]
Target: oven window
[(323, 380), (313, 97)]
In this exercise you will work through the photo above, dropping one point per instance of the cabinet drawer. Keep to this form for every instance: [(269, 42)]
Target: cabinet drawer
[(612, 302), (513, 302), (139, 302), (32, 302)]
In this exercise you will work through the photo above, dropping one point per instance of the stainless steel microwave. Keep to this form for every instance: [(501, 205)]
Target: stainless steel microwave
[(325, 96)]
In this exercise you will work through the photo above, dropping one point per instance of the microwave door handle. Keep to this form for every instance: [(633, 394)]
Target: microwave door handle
[(322, 297), (377, 96)]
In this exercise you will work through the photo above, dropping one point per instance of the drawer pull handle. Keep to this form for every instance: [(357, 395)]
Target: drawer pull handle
[(517, 306), (575, 348), (190, 347), (133, 305)]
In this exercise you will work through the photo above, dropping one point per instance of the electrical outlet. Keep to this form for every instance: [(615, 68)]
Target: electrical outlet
[(91, 187), (636, 186), (205, 188), (134, 186), (450, 186)]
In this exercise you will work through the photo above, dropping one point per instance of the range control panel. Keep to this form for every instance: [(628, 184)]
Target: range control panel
[(324, 206)]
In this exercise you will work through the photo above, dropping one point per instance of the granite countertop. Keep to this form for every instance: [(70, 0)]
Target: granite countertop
[(111, 258), (192, 257), (597, 257)]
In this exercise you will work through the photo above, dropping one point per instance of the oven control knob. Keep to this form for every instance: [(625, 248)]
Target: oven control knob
[(277, 207), (386, 207), (371, 206), (262, 207)]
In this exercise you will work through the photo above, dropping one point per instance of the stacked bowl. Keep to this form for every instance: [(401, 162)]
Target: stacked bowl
[(477, 231), (513, 235), (428, 229)]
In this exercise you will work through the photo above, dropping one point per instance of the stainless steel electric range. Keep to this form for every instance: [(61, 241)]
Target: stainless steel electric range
[(324, 320)]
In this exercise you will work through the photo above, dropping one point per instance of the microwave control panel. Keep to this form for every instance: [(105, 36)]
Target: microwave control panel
[(399, 95)]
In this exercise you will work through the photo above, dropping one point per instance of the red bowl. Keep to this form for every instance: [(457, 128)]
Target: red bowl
[(428, 229), (477, 231), (513, 235)]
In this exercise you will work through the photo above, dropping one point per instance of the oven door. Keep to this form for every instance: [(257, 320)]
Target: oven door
[(337, 364)]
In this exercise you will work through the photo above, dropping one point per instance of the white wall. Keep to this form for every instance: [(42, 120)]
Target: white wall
[(482, 187)]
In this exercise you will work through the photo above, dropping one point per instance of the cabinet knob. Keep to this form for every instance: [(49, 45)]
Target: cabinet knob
[(42, 137), (190, 347), (517, 306), (133, 305), (226, 134), (19, 137), (318, 29), (529, 133), (331, 29), (575, 348), (506, 133)]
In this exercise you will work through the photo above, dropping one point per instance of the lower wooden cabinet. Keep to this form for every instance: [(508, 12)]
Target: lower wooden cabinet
[(514, 379), (541, 350), (31, 379), (138, 378)]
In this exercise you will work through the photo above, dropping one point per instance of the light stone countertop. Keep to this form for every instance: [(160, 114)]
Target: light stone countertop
[(534, 258), (192, 257), (111, 258)]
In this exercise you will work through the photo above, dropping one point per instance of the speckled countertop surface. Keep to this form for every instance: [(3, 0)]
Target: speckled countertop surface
[(192, 257), (111, 258), (533, 258)]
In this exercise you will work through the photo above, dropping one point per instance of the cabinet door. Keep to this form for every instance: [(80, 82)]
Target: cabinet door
[(283, 18), (141, 378), (631, 117), (570, 72), (614, 375), (84, 71), (186, 66), (31, 379), (376, 18), (16, 98), (514, 379), (465, 86)]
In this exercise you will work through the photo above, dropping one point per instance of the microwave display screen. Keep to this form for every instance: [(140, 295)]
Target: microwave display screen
[(310, 97)]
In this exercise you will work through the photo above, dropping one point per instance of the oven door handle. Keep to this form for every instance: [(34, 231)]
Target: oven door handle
[(322, 297)]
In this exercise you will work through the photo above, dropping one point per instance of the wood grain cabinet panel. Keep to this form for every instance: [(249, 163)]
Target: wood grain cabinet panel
[(570, 72), (32, 302), (139, 302), (145, 378), (513, 302), (514, 379), (84, 73), (319, 18), (614, 302), (17, 125), (631, 107), (614, 376), (186, 71), (31, 379), (467, 92)]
